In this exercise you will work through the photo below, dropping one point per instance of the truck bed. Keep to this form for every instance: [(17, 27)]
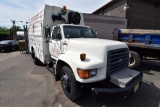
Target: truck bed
[(140, 38)]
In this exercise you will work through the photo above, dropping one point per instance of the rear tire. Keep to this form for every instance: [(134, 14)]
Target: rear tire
[(134, 60), (35, 59), (71, 87)]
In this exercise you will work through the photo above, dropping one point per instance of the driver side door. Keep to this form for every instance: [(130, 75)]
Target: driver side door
[(55, 43)]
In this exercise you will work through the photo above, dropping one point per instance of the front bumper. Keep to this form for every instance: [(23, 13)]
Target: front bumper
[(117, 92)]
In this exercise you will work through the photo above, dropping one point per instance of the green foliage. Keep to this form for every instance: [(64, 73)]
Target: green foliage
[(7, 33), (4, 37), (4, 30), (4, 33)]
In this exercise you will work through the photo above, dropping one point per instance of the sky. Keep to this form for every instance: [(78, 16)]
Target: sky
[(22, 10)]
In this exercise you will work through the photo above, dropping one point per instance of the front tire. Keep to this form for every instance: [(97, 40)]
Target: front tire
[(71, 87)]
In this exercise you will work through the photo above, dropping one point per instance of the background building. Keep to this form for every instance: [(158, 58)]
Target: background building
[(104, 24), (140, 14)]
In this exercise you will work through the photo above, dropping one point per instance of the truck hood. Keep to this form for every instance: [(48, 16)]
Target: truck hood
[(94, 44), (96, 51)]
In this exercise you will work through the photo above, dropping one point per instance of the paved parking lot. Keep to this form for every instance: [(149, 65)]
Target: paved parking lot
[(8, 55), (22, 84)]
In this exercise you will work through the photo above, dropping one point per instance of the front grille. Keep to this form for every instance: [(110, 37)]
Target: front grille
[(117, 60)]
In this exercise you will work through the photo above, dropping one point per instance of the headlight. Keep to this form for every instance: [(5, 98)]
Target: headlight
[(85, 74)]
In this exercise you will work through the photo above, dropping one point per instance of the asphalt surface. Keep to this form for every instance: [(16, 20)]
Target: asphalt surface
[(23, 84)]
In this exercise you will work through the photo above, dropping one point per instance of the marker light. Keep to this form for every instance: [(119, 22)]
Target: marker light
[(64, 8), (82, 56)]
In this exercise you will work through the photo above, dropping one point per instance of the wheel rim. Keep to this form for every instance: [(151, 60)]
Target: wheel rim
[(66, 83), (132, 61)]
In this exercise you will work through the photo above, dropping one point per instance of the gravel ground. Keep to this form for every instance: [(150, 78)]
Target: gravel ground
[(23, 84)]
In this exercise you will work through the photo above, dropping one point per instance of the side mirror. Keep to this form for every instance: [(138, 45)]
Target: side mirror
[(96, 32), (47, 32)]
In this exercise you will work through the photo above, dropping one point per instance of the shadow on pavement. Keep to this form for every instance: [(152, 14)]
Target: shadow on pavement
[(148, 95), (149, 65)]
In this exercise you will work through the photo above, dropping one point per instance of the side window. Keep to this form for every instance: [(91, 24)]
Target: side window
[(14, 42), (10, 43), (56, 33)]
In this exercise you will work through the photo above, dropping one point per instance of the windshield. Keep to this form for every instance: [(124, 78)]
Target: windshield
[(78, 32)]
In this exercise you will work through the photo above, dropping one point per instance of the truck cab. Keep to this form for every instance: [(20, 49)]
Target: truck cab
[(61, 35), (81, 58)]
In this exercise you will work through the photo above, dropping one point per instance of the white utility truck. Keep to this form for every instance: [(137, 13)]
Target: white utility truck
[(59, 39)]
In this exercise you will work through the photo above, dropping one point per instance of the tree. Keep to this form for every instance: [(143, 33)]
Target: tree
[(6, 33)]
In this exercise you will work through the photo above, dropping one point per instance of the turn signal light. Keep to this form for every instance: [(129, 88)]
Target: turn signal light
[(84, 74), (82, 56)]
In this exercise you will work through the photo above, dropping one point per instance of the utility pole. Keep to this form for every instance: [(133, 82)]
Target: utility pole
[(14, 29), (26, 38), (13, 22)]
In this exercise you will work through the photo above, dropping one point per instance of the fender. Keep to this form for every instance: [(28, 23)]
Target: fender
[(72, 58), (68, 61)]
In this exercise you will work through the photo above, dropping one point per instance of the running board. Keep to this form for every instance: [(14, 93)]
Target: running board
[(51, 69), (51, 65)]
